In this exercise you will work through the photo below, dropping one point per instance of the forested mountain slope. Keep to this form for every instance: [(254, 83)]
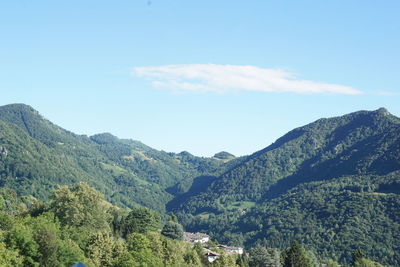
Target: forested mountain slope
[(165, 169), (333, 184), (359, 143), (37, 156)]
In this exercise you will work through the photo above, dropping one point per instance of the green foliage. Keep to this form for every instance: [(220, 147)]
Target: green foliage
[(331, 263), (43, 240), (296, 256), (173, 230), (140, 249), (223, 155), (191, 258), (69, 252), (243, 260), (80, 206), (357, 256), (224, 260), (141, 220), (46, 234), (363, 262), (6, 221), (20, 238), (177, 253), (261, 256), (100, 249), (9, 257)]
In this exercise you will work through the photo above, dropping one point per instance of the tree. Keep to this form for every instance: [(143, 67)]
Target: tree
[(6, 221), (296, 256), (20, 238), (79, 206), (70, 253), (141, 220), (191, 258), (174, 252), (46, 233), (101, 249), (9, 257), (243, 260), (364, 262), (331, 263), (359, 260), (173, 230), (156, 244), (173, 218), (198, 248), (357, 256), (262, 257), (48, 247), (140, 250), (224, 260)]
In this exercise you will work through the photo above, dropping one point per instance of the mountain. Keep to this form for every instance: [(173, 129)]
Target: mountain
[(332, 184), (223, 155), (37, 156), (40, 156)]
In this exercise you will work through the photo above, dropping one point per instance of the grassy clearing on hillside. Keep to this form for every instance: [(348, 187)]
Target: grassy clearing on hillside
[(241, 205)]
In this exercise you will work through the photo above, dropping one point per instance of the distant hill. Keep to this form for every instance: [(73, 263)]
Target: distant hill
[(317, 179), (162, 168), (224, 156)]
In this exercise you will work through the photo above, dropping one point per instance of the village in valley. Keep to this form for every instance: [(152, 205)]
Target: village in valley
[(211, 252)]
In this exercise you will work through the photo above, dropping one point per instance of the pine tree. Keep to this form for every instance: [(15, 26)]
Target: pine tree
[(296, 256)]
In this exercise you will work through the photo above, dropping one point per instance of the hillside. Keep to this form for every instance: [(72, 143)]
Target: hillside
[(295, 189), (160, 167), (37, 156)]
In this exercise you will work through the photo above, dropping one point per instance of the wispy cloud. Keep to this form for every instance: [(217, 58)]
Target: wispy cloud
[(226, 78)]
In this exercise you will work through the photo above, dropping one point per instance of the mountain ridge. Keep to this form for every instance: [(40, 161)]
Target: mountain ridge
[(312, 137)]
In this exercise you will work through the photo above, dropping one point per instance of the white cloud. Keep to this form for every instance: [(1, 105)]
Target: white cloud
[(226, 78)]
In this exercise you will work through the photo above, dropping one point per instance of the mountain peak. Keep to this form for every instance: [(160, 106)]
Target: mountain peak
[(33, 123), (18, 107), (104, 138), (185, 154), (382, 111), (224, 155)]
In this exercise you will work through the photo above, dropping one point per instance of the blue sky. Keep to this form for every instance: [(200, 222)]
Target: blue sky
[(202, 76)]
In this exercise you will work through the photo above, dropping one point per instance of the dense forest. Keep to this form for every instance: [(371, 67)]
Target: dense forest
[(78, 226), (332, 185)]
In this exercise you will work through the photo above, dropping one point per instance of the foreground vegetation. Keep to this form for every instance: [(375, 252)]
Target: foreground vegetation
[(78, 225)]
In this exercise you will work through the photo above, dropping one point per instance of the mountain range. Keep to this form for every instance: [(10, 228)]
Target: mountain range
[(37, 156), (333, 185)]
